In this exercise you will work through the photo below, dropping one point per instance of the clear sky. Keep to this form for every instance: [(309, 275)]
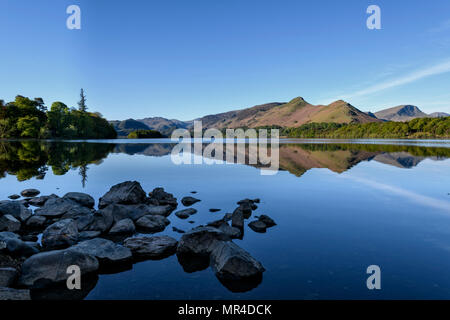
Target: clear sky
[(185, 59)]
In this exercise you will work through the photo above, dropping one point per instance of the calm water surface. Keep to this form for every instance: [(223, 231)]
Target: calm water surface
[(340, 206)]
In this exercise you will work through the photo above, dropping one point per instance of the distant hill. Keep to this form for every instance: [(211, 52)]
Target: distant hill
[(292, 114), (401, 113), (438, 115), (125, 127), (163, 125)]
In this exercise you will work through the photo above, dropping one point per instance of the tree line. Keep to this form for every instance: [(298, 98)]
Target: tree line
[(27, 118)]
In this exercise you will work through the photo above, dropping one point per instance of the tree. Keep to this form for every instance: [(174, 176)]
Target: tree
[(29, 126), (40, 104), (82, 103)]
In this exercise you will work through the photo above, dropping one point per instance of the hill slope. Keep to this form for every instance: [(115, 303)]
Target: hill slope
[(163, 125), (401, 113), (438, 115), (125, 127)]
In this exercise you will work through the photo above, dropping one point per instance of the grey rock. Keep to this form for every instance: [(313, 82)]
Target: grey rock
[(86, 235), (214, 210), (81, 198), (159, 197), (129, 192), (106, 251), (152, 223), (40, 201), (57, 207), (229, 261), (189, 201), (9, 223), (30, 193), (103, 221), (186, 213), (164, 210), (237, 218), (14, 197), (125, 226), (47, 268), (83, 218), (12, 244), (156, 247), (175, 229), (61, 234), (15, 209), (232, 232), (35, 222), (14, 294), (200, 241), (267, 220), (258, 226), (7, 276)]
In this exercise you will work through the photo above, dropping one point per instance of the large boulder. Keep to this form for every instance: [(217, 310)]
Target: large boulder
[(156, 247), (229, 261), (129, 192), (103, 221), (123, 227), (35, 222), (7, 276), (106, 251), (13, 245), (15, 209), (9, 223), (152, 224), (200, 241), (61, 234), (58, 207), (82, 216), (189, 201), (48, 268), (29, 193), (40, 201), (14, 294), (81, 198)]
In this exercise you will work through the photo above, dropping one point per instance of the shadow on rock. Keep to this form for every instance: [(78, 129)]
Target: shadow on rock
[(193, 263), (241, 285), (61, 292)]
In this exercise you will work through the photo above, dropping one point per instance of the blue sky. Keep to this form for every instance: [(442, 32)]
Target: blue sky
[(185, 59)]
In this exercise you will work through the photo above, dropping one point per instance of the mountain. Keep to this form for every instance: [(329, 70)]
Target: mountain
[(165, 126), (292, 114), (438, 115), (125, 127), (400, 113)]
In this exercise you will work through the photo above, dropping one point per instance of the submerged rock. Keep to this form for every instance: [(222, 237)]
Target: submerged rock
[(106, 251), (82, 199), (229, 261), (124, 226), (175, 229), (258, 226), (61, 234), (189, 201), (186, 213), (129, 192), (200, 241), (267, 220), (156, 247), (47, 268), (214, 210), (30, 193), (14, 294), (152, 223)]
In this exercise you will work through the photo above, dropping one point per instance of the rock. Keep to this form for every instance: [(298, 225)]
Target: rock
[(237, 218), (86, 235), (125, 226), (81, 198), (267, 220), (257, 200), (165, 210), (57, 207), (15, 209), (9, 223), (129, 192), (135, 212), (156, 247), (13, 245), (189, 201), (83, 217), (193, 263), (193, 192), (14, 197), (258, 226), (7, 276), (191, 222), (14, 294), (60, 292), (229, 261), (159, 197), (40, 201), (232, 232), (186, 213), (47, 268), (200, 241), (106, 251), (61, 234), (103, 221), (227, 216), (152, 224), (30, 193), (214, 210), (35, 222), (175, 229)]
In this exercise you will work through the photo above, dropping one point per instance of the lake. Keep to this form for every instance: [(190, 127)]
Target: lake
[(340, 206)]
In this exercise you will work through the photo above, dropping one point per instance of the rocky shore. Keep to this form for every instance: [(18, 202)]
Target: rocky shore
[(37, 246)]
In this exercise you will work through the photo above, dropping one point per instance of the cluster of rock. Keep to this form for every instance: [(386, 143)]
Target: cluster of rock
[(74, 233)]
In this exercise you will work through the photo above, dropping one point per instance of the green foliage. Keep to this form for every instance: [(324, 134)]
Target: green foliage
[(145, 134), (415, 129), (25, 118)]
